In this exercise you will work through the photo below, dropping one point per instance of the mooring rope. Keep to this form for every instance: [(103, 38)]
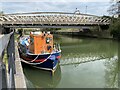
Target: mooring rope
[(39, 62), (42, 61)]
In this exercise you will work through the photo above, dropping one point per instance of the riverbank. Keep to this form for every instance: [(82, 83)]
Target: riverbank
[(86, 33), (92, 32)]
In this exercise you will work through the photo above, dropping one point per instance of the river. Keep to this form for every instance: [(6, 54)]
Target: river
[(85, 63)]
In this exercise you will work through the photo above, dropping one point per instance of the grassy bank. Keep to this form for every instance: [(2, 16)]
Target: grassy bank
[(85, 33)]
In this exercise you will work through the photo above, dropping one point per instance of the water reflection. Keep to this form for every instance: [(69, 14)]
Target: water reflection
[(85, 63), (111, 72), (40, 78)]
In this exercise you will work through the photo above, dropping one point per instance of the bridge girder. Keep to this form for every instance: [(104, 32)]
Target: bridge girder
[(50, 25), (52, 19)]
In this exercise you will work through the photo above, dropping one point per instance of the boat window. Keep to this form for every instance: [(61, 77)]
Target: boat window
[(48, 39), (31, 40)]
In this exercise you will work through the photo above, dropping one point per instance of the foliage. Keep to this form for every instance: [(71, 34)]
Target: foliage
[(51, 29), (107, 17), (115, 28)]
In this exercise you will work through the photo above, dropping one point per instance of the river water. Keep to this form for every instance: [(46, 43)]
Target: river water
[(85, 63)]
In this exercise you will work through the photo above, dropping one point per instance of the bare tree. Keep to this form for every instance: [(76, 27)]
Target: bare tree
[(115, 8)]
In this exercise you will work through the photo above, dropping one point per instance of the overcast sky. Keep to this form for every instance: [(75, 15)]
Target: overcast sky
[(95, 7)]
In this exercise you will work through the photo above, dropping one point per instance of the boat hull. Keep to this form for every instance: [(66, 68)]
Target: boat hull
[(42, 61)]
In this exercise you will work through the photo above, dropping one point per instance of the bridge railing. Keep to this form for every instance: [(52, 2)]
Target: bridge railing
[(11, 73), (7, 44)]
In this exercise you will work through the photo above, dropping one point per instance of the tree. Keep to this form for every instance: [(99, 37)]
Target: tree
[(115, 28), (115, 8), (115, 24)]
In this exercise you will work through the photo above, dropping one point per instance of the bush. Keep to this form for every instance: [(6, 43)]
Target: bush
[(115, 29)]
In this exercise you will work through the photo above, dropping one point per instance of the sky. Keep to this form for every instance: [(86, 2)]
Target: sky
[(94, 7)]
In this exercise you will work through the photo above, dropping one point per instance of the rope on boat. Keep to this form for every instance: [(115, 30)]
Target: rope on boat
[(35, 58), (42, 61), (37, 63)]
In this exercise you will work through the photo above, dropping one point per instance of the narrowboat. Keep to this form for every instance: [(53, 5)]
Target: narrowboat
[(38, 50)]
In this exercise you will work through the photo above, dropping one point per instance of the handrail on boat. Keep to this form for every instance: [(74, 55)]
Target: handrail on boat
[(57, 46)]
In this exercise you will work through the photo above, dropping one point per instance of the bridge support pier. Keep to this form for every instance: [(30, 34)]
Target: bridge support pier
[(99, 28), (1, 29)]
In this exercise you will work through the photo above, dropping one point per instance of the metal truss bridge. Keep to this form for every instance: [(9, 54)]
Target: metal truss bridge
[(51, 20)]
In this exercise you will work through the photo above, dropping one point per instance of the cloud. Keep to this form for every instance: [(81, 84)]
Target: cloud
[(0, 6), (96, 8), (55, 0)]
